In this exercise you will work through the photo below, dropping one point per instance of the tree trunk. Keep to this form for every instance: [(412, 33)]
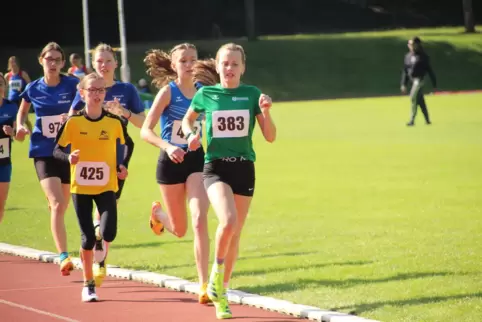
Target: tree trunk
[(468, 16), (249, 14)]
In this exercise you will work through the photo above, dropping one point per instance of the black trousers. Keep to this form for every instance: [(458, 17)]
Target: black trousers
[(417, 98), (107, 206)]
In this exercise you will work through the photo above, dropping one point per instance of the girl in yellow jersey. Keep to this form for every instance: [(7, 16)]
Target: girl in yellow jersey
[(92, 135)]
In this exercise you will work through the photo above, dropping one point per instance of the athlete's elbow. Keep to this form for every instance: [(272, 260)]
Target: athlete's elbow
[(144, 134), (270, 138)]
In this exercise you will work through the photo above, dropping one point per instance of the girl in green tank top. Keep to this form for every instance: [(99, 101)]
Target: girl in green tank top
[(231, 110)]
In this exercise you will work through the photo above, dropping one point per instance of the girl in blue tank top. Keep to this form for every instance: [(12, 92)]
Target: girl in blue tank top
[(172, 115), (179, 171), (17, 80)]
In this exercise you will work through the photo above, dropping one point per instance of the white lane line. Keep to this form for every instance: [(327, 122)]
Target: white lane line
[(48, 287), (31, 309)]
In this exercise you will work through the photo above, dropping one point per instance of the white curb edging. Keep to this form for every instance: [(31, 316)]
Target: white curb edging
[(178, 284)]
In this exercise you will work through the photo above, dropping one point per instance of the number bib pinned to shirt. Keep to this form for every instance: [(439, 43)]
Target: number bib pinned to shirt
[(230, 123), (177, 136), (92, 173), (51, 125), (16, 84), (4, 148)]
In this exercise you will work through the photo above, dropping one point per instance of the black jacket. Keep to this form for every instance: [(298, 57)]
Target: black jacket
[(417, 65)]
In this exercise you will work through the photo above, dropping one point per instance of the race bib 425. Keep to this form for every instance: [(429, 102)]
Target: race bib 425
[(92, 173)]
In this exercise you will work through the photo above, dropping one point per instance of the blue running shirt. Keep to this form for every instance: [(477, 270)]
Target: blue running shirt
[(48, 102)]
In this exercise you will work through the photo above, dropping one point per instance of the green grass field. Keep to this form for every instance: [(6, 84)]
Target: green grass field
[(307, 67), (353, 211)]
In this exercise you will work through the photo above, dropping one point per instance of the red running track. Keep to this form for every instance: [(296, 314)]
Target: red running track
[(32, 290)]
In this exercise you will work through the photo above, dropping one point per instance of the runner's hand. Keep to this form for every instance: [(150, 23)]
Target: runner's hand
[(176, 154), (8, 130), (403, 89), (74, 157), (194, 142), (22, 131), (114, 107), (122, 174), (265, 101)]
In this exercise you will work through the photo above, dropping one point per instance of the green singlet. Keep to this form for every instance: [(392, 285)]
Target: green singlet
[(230, 119)]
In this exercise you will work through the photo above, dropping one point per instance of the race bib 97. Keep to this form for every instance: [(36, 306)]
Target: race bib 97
[(92, 173), (51, 125), (177, 136), (230, 124), (4, 148)]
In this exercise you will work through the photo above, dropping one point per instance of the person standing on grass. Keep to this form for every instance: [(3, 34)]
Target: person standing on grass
[(130, 110), (17, 80), (231, 110), (179, 171), (415, 66), (8, 113), (51, 97), (93, 136)]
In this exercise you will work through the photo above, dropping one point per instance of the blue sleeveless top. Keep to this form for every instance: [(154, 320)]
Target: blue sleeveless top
[(171, 118)]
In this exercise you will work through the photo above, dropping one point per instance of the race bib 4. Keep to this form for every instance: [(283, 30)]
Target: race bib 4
[(4, 148), (177, 136)]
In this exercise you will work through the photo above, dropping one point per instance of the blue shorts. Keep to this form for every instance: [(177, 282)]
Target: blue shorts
[(5, 173)]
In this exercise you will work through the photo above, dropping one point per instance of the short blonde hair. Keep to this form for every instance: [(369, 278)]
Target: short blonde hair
[(90, 77)]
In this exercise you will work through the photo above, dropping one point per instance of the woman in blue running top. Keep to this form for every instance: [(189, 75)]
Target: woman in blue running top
[(51, 97), (8, 113), (130, 110), (179, 171), (17, 80)]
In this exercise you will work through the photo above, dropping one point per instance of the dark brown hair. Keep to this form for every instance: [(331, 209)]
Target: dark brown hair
[(159, 62), (51, 46)]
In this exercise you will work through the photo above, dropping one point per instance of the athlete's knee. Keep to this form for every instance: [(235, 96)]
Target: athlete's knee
[(230, 223), (57, 205), (109, 234), (88, 241), (199, 222), (179, 229)]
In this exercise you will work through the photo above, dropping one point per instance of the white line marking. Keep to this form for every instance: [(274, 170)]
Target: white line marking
[(49, 287), (28, 308)]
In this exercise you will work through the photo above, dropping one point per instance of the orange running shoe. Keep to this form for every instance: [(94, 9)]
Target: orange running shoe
[(156, 226)]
